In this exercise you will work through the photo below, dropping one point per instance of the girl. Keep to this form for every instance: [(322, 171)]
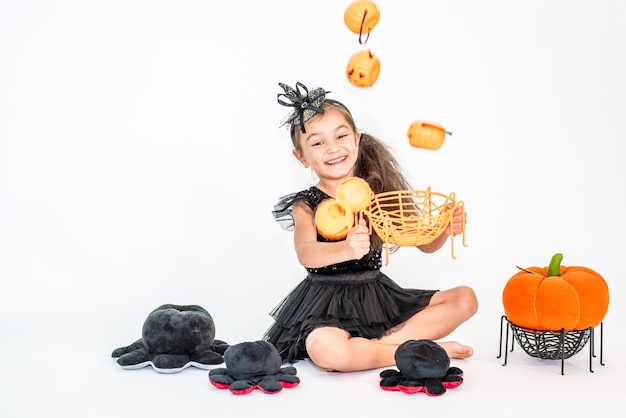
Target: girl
[(347, 315)]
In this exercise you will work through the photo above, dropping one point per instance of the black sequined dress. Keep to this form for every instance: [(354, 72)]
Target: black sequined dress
[(353, 295)]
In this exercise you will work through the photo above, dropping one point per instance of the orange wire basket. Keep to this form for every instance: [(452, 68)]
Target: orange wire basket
[(412, 217)]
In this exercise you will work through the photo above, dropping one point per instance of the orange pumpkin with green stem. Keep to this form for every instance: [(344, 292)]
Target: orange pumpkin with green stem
[(556, 297)]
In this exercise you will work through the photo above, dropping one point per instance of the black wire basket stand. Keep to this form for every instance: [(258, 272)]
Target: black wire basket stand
[(549, 344)]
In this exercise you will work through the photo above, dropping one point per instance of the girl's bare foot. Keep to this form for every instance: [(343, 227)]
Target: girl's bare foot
[(457, 350)]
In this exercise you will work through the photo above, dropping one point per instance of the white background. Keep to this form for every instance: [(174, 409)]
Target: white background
[(140, 157)]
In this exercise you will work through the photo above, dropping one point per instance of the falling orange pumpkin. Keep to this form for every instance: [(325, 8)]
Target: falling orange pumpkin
[(355, 193), (556, 297), (363, 69), (428, 135), (333, 219), (361, 16)]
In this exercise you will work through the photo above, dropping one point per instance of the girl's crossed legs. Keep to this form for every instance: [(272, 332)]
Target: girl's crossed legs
[(332, 349)]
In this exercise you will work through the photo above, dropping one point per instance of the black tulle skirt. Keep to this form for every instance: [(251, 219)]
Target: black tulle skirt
[(366, 304)]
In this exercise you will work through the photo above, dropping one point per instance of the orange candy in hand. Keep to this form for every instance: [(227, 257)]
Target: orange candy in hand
[(333, 219), (335, 216), (355, 193)]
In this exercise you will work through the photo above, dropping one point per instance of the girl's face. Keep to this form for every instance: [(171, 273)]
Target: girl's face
[(329, 146)]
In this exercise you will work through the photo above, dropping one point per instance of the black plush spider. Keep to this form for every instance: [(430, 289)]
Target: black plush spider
[(253, 365), (423, 366), (174, 337)]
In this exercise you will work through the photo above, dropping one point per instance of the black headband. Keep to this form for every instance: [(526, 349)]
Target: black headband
[(305, 103)]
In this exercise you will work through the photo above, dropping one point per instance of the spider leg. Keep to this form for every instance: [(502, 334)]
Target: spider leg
[(169, 362), (220, 346), (434, 387), (127, 349), (452, 381), (207, 357), (220, 378), (288, 380), (411, 385), (138, 357), (241, 387), (269, 384), (453, 378)]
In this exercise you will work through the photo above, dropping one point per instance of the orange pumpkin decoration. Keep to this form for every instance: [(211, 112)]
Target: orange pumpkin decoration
[(556, 297), (361, 16), (335, 216), (428, 135), (333, 219), (355, 193), (363, 69)]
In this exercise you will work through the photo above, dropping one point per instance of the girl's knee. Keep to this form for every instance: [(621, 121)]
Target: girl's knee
[(467, 300), (327, 354)]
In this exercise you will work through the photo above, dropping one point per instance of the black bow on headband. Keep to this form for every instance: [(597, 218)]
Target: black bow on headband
[(305, 103)]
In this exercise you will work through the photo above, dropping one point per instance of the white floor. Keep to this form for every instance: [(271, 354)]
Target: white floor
[(125, 184), (79, 379)]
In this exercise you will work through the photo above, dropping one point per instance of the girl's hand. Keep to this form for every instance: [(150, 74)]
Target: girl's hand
[(457, 221), (358, 241)]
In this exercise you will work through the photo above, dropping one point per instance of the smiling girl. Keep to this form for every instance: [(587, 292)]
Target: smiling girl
[(346, 314)]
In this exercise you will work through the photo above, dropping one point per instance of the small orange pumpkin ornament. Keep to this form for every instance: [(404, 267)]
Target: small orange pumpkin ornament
[(355, 193), (428, 135), (333, 219), (335, 216), (361, 17), (363, 69), (556, 297)]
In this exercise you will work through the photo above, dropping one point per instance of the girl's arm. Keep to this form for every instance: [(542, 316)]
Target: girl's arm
[(457, 225), (314, 254), (436, 244)]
